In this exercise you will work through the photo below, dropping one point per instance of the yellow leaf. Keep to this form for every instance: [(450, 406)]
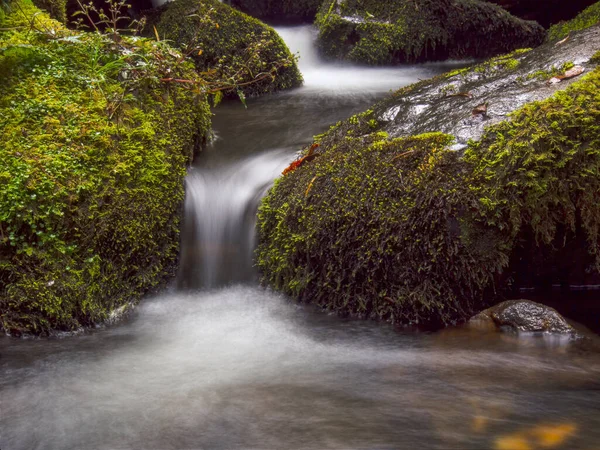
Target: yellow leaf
[(512, 442), (200, 52), (549, 436)]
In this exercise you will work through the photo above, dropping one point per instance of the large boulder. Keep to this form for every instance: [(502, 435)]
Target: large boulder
[(93, 155), (416, 210), (229, 45), (280, 10), (523, 315), (545, 12), (379, 32)]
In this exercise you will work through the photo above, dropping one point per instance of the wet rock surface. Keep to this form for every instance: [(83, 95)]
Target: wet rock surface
[(523, 315), (453, 103)]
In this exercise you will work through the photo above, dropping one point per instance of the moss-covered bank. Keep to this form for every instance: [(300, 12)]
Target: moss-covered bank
[(585, 19), (378, 32), (229, 44), (408, 230), (280, 10), (93, 156)]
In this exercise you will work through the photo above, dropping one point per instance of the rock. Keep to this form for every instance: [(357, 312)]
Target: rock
[(523, 315), (417, 208), (545, 12), (446, 103), (221, 43), (377, 32), (91, 195), (295, 11)]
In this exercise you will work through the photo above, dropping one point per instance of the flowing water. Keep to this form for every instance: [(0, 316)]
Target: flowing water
[(218, 362)]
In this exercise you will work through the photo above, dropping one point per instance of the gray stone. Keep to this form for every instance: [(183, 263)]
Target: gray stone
[(523, 315)]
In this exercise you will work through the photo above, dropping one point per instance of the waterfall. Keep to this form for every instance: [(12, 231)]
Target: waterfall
[(220, 218)]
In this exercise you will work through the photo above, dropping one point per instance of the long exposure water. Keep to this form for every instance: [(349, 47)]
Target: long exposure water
[(218, 362)]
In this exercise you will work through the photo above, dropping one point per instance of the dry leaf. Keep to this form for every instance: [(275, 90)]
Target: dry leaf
[(480, 109), (562, 41), (309, 157), (573, 72)]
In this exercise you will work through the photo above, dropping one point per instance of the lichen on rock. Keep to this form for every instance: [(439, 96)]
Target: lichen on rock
[(377, 32)]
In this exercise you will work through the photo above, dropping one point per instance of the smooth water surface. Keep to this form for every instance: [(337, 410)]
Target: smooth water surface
[(219, 363)]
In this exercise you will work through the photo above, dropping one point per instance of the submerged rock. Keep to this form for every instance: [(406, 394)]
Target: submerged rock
[(523, 315), (379, 32), (416, 210), (228, 44)]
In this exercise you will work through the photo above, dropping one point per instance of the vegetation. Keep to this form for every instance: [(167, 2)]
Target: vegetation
[(375, 32), (282, 10), (409, 231), (229, 45), (92, 161), (585, 19)]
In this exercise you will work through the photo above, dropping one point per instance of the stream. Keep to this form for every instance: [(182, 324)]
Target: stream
[(217, 362)]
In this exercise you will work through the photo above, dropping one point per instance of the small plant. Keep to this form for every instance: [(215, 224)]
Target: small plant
[(111, 22)]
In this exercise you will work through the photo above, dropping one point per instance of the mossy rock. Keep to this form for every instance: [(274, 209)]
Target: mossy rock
[(280, 10), (221, 38), (390, 224), (93, 156), (377, 32), (587, 18)]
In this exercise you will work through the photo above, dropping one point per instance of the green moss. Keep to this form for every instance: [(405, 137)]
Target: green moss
[(229, 42), (376, 32), (408, 231), (595, 59), (281, 10), (585, 19), (93, 156), (553, 72)]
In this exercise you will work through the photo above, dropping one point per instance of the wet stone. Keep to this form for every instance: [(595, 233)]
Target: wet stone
[(523, 315), (447, 103)]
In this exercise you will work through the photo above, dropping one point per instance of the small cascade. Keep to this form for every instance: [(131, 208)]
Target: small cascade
[(225, 187), (220, 217)]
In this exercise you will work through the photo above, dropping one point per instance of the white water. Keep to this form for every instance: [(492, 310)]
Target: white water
[(221, 204), (343, 79)]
